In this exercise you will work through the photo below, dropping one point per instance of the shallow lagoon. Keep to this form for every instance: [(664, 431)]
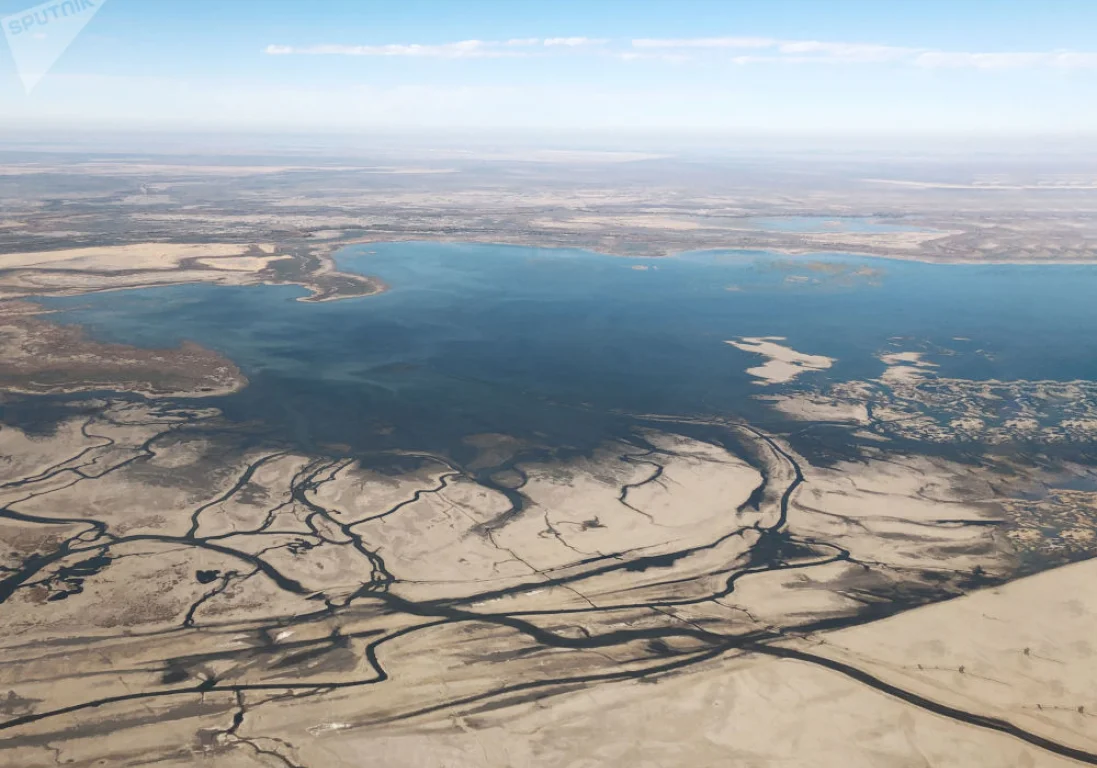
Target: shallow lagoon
[(560, 344)]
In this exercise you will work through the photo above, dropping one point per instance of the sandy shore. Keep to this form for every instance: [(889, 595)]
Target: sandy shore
[(76, 271), (783, 363), (41, 357), (129, 257), (606, 247)]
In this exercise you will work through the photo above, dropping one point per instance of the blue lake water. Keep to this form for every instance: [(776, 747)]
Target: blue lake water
[(558, 343)]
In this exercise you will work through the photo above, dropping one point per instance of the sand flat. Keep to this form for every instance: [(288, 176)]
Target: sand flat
[(783, 363), (635, 599), (1023, 652), (240, 263), (120, 257)]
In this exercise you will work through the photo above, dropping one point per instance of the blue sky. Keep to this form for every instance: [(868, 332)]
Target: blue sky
[(778, 67)]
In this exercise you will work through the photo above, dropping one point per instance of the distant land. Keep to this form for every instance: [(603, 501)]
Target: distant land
[(546, 458)]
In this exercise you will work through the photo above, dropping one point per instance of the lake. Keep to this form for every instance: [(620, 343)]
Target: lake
[(565, 346)]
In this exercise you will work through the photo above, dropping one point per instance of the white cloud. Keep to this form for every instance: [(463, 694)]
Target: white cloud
[(849, 52), (573, 42), (706, 42), (788, 51), (465, 49), (741, 50), (770, 50)]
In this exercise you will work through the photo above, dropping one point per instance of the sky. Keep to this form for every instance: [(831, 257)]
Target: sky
[(737, 67)]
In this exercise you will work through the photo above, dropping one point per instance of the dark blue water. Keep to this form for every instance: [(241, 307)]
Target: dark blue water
[(556, 343)]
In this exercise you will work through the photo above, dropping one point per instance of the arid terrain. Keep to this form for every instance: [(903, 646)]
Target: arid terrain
[(953, 208), (178, 587), (280, 608)]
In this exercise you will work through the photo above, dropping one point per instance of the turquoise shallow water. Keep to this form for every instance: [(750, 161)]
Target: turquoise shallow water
[(480, 338)]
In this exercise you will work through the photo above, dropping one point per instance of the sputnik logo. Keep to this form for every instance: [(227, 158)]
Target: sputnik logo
[(39, 35)]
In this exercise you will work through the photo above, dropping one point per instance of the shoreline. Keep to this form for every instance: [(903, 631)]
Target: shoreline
[(82, 271), (43, 357), (315, 270), (313, 267), (335, 247)]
